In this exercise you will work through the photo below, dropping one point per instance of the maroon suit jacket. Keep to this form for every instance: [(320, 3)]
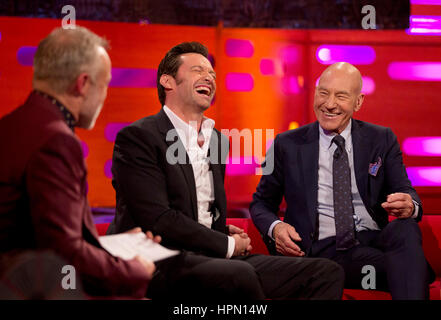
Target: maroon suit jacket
[(43, 203)]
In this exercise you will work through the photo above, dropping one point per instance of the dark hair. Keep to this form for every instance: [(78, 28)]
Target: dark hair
[(171, 62)]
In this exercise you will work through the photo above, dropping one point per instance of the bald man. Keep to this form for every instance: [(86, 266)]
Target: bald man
[(341, 179)]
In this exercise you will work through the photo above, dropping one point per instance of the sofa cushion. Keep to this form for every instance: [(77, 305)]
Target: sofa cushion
[(431, 230)]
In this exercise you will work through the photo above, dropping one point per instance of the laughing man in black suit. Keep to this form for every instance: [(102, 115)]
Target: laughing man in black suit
[(168, 173)]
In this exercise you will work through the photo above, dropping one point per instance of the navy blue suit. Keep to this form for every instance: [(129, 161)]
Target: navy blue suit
[(295, 178)]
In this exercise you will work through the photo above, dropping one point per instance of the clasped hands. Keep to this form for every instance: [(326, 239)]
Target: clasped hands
[(242, 246)]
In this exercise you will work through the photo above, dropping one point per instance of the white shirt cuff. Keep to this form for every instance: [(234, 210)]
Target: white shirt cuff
[(231, 245), (417, 208), (270, 230)]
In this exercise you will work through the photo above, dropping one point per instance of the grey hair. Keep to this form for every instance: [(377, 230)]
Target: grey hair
[(64, 54)]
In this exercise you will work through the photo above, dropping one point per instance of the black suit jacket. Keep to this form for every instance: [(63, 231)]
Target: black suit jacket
[(161, 196), (295, 177)]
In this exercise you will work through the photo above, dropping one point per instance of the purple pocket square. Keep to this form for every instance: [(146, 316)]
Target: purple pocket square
[(374, 167)]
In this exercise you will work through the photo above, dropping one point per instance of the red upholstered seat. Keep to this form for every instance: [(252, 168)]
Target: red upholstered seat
[(430, 228), (101, 228)]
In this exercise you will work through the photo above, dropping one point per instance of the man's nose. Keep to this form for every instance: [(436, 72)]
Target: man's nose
[(208, 76), (330, 103)]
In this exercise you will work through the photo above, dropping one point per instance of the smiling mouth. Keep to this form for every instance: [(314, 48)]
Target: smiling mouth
[(331, 115), (204, 90)]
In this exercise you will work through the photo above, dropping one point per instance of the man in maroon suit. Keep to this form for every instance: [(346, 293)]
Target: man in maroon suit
[(43, 203)]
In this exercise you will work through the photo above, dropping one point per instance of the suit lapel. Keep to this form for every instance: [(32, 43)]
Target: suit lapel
[(216, 169), (164, 126), (309, 153), (361, 147), (187, 169)]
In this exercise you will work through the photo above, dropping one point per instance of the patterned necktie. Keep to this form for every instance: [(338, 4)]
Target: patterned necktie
[(343, 207)]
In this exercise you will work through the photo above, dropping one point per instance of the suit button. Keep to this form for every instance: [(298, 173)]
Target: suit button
[(311, 235)]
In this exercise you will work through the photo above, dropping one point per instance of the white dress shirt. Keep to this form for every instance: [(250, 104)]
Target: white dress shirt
[(325, 199), (199, 160)]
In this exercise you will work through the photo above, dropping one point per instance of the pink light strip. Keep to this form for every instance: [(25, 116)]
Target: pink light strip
[(85, 148), (422, 146), (267, 67), (424, 25), (235, 81), (368, 85), (329, 54), (424, 31), (425, 20), (108, 169), (417, 71), (425, 176), (112, 129), (290, 54), (239, 48), (241, 166), (426, 2), (290, 85)]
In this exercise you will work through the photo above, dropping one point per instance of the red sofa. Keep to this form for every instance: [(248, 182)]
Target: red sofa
[(431, 230)]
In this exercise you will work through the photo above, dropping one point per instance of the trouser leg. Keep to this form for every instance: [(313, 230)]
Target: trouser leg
[(189, 276), (407, 269), (298, 277), (357, 262), (396, 255)]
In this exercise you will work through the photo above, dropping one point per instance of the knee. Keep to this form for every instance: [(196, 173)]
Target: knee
[(244, 279), (330, 271), (402, 232), (240, 271), (221, 279)]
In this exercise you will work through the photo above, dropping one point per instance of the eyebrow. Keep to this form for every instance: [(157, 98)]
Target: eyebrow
[(202, 68), (338, 92)]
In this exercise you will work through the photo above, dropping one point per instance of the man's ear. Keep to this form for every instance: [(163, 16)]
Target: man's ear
[(166, 81), (81, 84), (359, 102)]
